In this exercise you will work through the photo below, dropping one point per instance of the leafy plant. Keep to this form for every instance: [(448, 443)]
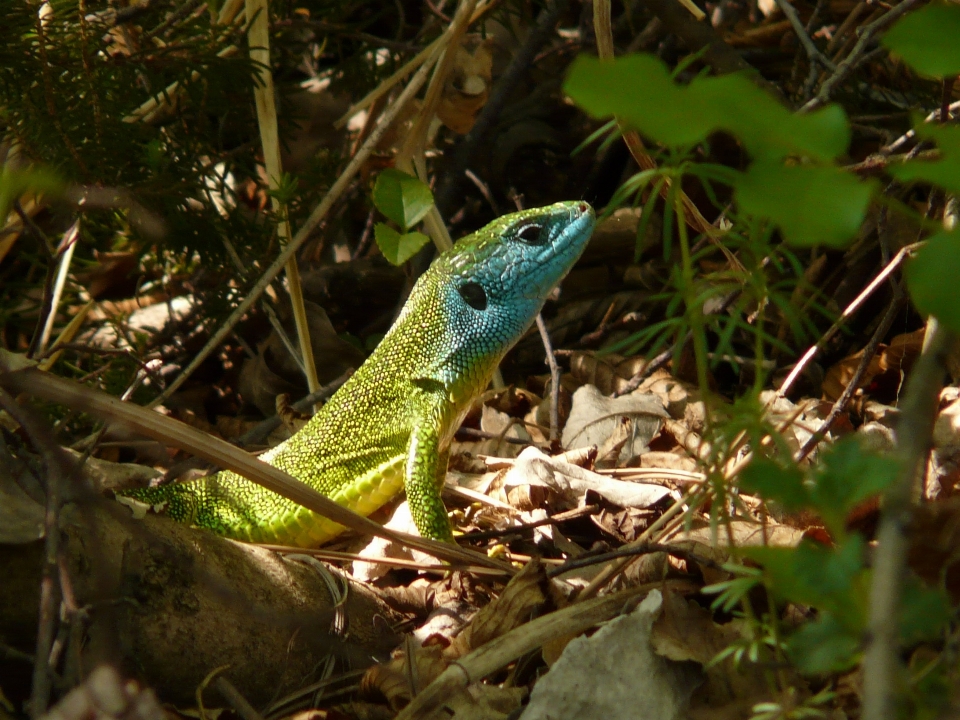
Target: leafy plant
[(405, 200), (793, 192)]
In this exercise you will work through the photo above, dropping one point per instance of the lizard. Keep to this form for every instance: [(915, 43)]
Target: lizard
[(389, 427)]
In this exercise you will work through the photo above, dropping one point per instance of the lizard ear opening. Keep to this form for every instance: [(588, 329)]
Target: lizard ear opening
[(474, 295)]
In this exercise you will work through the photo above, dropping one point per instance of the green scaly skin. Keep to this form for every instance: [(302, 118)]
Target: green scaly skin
[(389, 427)]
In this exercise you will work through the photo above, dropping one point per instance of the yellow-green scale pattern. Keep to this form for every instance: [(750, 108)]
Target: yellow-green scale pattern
[(389, 427)]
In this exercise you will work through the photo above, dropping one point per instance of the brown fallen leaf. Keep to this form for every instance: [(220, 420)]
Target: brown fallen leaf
[(468, 85), (888, 367), (594, 418), (614, 673), (687, 631), (609, 373), (392, 680), (520, 598)]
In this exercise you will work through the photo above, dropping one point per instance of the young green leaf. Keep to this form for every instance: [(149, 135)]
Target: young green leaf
[(932, 277), (811, 205), (402, 198), (397, 248), (286, 190), (929, 39)]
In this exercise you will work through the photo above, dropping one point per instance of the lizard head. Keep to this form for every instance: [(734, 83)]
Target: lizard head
[(493, 283), (519, 258)]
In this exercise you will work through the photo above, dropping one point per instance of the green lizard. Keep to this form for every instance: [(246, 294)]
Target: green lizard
[(389, 427)]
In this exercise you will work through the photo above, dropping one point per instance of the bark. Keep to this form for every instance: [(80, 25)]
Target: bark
[(168, 604)]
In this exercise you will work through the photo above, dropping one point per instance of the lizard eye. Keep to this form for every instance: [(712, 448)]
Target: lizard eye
[(531, 235), (474, 295)]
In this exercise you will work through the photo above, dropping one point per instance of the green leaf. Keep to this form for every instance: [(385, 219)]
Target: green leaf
[(811, 205), (932, 278), (944, 172), (768, 129), (286, 190), (929, 39), (14, 183), (398, 248), (784, 485), (402, 198), (823, 646), (924, 612), (812, 574), (848, 475), (639, 89), (731, 592)]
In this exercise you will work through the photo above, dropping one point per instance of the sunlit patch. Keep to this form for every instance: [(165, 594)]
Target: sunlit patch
[(138, 508)]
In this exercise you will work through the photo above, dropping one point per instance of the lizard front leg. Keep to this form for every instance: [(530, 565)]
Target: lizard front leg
[(426, 466)]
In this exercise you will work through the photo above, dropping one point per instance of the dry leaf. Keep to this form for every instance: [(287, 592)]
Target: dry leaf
[(274, 371), (502, 426), (675, 394), (522, 595), (609, 373), (571, 482), (392, 679), (468, 85), (595, 417), (149, 320), (615, 674), (935, 544), (889, 366), (746, 534), (402, 521)]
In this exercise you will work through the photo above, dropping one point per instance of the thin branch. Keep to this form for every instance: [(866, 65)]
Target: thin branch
[(318, 214), (858, 54), (630, 552), (854, 383), (50, 591), (881, 663), (452, 180), (261, 431), (554, 378), (813, 52), (847, 313)]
